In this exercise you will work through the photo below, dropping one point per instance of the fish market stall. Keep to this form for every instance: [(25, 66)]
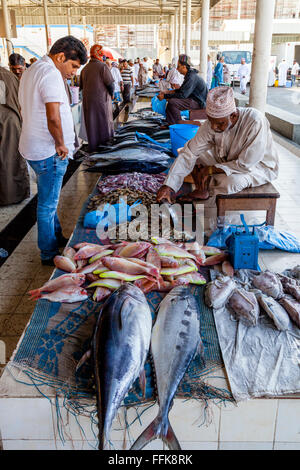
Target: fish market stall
[(51, 384)]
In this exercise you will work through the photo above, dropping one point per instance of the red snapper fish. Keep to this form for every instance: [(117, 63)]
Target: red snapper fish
[(67, 295), (61, 282)]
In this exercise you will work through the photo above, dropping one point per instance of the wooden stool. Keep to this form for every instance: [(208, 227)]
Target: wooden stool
[(251, 199)]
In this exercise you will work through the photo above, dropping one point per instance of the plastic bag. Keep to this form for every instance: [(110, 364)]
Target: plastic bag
[(110, 214), (159, 106), (269, 238)]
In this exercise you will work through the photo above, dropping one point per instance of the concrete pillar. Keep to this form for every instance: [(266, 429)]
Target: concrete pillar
[(6, 22), (261, 53), (69, 21), (155, 38), (239, 9), (176, 35), (204, 38), (171, 26), (180, 33), (47, 26), (188, 24), (118, 36)]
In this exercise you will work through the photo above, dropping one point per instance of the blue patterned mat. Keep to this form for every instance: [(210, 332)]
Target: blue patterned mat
[(58, 335)]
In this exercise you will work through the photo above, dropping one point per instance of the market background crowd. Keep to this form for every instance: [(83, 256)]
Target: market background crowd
[(36, 123)]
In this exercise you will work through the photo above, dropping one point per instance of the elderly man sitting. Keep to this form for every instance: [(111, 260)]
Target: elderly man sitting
[(232, 150)]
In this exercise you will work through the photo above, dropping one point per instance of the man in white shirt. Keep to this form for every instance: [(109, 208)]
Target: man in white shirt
[(243, 74), (294, 72), (282, 73), (47, 136)]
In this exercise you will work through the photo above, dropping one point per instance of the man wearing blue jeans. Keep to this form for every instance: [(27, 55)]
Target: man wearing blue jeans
[(47, 137)]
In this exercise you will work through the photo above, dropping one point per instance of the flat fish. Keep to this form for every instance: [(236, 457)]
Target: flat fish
[(174, 342), (269, 284), (275, 311), (217, 292), (245, 306), (292, 307), (119, 349)]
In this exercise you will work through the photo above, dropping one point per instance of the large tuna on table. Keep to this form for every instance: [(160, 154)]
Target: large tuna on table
[(174, 342), (119, 349)]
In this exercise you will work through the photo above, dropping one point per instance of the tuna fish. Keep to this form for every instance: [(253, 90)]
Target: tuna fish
[(275, 311), (119, 349), (174, 342), (66, 280)]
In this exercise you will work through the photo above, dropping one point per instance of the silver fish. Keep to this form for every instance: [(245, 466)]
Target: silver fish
[(120, 346), (174, 342), (217, 292), (275, 311)]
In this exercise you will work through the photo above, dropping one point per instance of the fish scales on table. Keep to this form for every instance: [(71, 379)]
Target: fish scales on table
[(175, 340), (119, 349), (134, 181)]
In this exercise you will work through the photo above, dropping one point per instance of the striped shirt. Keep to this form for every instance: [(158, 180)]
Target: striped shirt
[(126, 75)]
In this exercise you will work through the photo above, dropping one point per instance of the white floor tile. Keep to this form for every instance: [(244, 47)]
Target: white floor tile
[(24, 444), (250, 421), (245, 446), (288, 421)]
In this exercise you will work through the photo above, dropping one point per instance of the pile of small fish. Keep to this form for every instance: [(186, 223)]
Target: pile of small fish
[(135, 181), (277, 295), (157, 266), (120, 346), (113, 197)]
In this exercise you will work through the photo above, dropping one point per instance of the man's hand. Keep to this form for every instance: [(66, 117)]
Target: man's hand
[(62, 151), (164, 193), (161, 96)]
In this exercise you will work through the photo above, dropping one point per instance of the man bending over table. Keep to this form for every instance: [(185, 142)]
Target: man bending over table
[(233, 150)]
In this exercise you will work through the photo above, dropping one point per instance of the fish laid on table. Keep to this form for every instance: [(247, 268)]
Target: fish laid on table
[(275, 311), (65, 264), (291, 286), (130, 267), (292, 307), (66, 294), (174, 342), (66, 280), (269, 284), (119, 349), (217, 292), (245, 306)]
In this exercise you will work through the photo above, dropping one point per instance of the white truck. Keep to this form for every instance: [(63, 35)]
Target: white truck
[(233, 60)]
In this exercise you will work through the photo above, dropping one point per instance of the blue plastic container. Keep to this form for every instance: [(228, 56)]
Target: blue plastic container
[(288, 84), (180, 134)]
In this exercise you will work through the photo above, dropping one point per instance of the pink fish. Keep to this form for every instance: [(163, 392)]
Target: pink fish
[(227, 269), (135, 250), (80, 263), (127, 266), (92, 277), (153, 258), (89, 268), (101, 293), (68, 295), (190, 278), (64, 263), (215, 259), (69, 252), (90, 250), (66, 280)]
